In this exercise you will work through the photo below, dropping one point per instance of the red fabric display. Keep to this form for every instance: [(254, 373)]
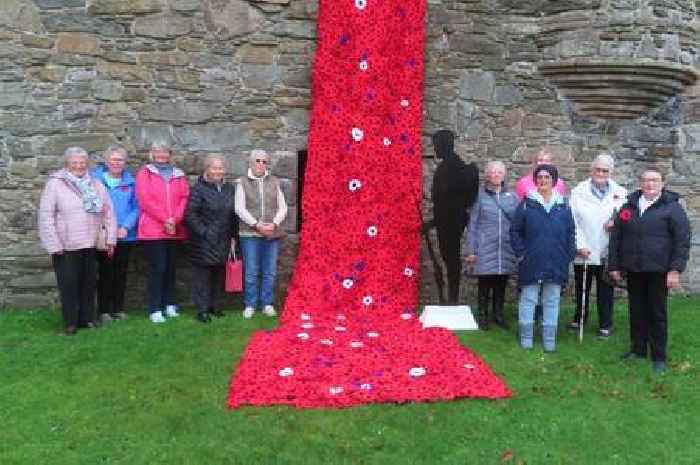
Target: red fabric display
[(349, 332)]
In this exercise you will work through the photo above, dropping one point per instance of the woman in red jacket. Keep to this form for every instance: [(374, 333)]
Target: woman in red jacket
[(162, 191)]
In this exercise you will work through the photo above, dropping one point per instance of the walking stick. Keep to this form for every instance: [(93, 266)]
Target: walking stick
[(583, 301)]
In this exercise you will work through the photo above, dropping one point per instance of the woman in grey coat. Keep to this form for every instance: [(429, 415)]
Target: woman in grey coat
[(488, 243)]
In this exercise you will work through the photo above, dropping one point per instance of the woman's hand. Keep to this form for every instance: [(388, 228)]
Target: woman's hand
[(471, 259), (609, 226), (673, 279), (616, 276), (169, 226), (122, 232), (583, 253)]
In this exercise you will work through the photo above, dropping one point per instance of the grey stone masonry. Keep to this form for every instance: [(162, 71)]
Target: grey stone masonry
[(232, 75)]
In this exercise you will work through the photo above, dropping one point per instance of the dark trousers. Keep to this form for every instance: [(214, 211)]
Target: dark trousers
[(604, 294), (648, 319), (449, 241), (206, 283), (75, 275), (161, 256), (492, 288), (111, 281)]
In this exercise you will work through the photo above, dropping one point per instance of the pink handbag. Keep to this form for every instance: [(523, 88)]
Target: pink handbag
[(234, 273)]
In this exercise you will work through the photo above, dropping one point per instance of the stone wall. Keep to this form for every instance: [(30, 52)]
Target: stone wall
[(230, 75)]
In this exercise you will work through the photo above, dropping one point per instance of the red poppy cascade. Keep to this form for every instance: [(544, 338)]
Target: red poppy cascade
[(349, 332)]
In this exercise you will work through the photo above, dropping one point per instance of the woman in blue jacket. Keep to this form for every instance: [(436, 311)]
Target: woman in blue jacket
[(112, 268), (543, 237)]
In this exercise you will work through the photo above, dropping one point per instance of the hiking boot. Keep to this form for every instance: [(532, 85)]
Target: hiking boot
[(157, 317), (106, 318)]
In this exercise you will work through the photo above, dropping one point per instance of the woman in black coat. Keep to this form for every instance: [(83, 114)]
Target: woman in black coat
[(213, 224), (651, 243)]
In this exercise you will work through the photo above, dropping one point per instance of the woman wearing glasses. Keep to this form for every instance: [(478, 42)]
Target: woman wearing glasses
[(543, 236), (261, 207)]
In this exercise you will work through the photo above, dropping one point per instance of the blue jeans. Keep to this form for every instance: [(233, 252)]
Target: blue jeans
[(160, 255), (550, 303), (259, 258)]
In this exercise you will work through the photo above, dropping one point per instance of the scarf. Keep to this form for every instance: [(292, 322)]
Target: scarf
[(91, 201)]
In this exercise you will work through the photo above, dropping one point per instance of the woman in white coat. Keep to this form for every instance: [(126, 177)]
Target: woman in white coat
[(593, 204)]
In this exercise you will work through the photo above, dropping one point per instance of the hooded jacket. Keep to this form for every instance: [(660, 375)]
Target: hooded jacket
[(545, 241), (160, 200), (212, 222), (64, 225), (124, 202), (656, 241)]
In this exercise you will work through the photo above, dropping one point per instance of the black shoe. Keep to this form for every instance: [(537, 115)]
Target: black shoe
[(659, 368), (70, 330), (217, 313), (631, 356), (204, 317)]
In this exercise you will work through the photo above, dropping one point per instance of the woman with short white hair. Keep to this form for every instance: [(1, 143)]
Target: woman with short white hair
[(213, 225), (121, 185), (488, 243), (594, 203), (261, 206), (74, 211)]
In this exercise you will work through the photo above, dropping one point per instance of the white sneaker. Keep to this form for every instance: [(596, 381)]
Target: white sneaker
[(269, 310), (171, 311), (248, 313), (157, 317)]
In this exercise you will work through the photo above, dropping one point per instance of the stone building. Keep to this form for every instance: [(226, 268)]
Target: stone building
[(509, 76)]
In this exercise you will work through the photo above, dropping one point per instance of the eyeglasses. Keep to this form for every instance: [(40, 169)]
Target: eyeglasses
[(264, 162)]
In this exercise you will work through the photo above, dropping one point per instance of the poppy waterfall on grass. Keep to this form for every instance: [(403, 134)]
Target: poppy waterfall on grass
[(349, 332)]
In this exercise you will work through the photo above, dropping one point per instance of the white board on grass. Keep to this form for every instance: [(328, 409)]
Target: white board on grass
[(456, 318)]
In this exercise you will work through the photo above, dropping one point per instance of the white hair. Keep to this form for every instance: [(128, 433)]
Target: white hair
[(115, 148), (604, 159), (209, 160), (259, 154), (160, 144), (71, 152), (493, 164)]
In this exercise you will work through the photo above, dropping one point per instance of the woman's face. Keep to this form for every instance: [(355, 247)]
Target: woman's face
[(215, 171), (77, 165), (160, 156), (259, 166), (544, 182), (115, 164), (651, 184), (495, 176)]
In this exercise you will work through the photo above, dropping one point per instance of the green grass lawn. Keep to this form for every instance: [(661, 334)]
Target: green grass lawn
[(136, 393)]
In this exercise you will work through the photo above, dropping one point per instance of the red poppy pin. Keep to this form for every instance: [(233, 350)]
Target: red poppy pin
[(625, 215)]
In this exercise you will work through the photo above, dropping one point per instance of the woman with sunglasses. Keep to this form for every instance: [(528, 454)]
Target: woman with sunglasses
[(261, 207)]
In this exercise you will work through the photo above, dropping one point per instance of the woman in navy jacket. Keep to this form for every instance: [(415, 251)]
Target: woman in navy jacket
[(112, 267), (651, 243), (543, 237)]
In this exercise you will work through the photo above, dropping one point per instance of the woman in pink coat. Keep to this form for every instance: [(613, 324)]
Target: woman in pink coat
[(162, 191), (525, 185), (73, 209)]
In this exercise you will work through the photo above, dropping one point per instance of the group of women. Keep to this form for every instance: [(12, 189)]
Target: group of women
[(90, 220), (537, 231)]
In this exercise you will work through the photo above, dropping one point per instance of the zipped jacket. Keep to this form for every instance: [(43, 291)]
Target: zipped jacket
[(124, 202), (656, 241), (160, 200), (545, 242), (488, 235)]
